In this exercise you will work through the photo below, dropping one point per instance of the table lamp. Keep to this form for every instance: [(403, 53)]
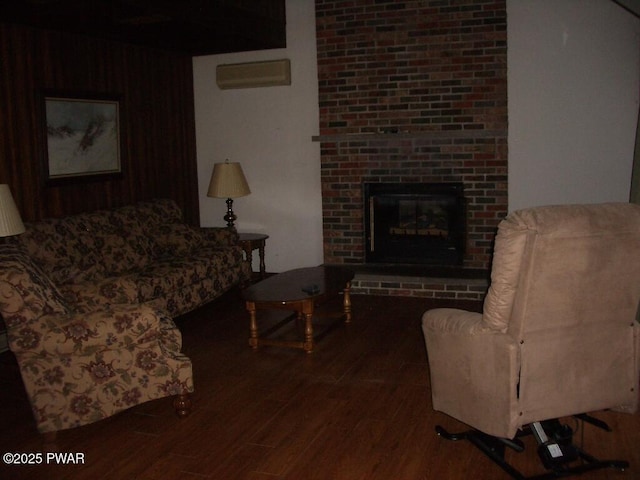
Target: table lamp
[(10, 221), (227, 181)]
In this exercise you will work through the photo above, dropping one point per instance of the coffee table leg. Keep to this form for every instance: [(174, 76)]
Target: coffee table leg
[(308, 333), (347, 303), (253, 325), (307, 310)]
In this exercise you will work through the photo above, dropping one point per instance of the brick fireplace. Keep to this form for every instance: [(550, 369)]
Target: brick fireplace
[(412, 92)]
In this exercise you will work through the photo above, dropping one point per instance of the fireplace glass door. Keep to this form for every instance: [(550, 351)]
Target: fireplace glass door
[(415, 223)]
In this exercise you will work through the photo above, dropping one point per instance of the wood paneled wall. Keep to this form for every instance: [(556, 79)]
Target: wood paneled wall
[(157, 117)]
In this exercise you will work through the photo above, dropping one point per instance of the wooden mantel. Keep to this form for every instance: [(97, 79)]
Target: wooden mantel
[(427, 135)]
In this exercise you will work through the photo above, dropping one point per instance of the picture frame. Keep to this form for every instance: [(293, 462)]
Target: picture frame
[(83, 137)]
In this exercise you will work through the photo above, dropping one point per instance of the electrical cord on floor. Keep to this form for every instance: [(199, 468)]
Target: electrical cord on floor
[(579, 427)]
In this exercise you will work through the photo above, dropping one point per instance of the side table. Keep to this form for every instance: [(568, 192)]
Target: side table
[(251, 242)]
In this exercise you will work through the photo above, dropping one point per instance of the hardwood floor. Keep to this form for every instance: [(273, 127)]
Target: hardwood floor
[(359, 407)]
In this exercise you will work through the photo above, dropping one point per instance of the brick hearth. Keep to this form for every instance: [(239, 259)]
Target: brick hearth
[(427, 287), (412, 91)]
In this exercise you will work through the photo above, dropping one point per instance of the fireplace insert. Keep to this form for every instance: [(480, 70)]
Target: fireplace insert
[(415, 223)]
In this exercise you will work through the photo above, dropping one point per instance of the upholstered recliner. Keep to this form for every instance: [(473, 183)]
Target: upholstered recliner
[(558, 335), (81, 365)]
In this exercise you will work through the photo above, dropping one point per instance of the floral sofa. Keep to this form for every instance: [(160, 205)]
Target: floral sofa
[(88, 302)]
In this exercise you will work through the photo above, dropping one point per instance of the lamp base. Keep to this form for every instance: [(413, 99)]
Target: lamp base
[(230, 217)]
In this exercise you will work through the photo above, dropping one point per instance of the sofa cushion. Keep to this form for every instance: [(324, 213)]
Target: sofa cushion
[(64, 249), (119, 238), (157, 212), (125, 221), (175, 239), (174, 273), (119, 255), (221, 237)]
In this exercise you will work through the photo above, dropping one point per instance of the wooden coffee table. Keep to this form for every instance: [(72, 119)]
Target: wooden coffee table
[(298, 291)]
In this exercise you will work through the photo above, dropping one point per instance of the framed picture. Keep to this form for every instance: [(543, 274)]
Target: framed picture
[(82, 137)]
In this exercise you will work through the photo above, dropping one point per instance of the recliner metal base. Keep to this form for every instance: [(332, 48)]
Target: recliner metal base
[(574, 462)]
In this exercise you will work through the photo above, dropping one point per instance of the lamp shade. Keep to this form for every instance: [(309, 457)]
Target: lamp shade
[(227, 181), (10, 221)]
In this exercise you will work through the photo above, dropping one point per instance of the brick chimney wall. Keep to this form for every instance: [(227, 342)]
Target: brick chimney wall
[(412, 91)]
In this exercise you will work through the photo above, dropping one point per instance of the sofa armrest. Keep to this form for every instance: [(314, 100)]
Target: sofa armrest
[(90, 296), (220, 236), (112, 328)]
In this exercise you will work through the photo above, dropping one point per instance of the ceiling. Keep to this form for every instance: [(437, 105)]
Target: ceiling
[(195, 27)]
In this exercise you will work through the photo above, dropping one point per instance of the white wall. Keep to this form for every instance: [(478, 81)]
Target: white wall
[(574, 82), (268, 130)]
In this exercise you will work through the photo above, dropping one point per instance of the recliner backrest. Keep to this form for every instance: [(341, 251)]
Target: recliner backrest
[(569, 277), (579, 267)]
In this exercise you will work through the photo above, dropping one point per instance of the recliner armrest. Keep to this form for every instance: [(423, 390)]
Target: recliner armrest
[(467, 355), (453, 321)]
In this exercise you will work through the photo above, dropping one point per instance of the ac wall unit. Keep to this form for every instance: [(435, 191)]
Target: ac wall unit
[(254, 74)]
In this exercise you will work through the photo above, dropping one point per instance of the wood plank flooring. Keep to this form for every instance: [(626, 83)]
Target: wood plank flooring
[(358, 408)]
